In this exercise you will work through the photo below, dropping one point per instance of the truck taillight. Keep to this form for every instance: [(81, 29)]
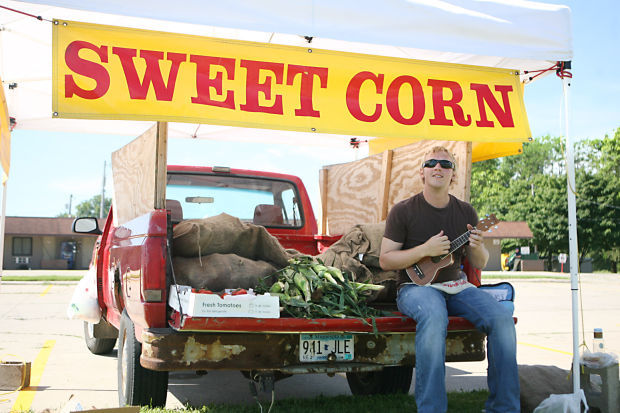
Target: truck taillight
[(153, 280)]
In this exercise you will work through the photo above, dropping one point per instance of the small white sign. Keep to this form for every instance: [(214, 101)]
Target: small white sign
[(212, 305), (562, 258), (525, 250)]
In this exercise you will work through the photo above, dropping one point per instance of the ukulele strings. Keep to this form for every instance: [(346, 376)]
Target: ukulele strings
[(457, 243)]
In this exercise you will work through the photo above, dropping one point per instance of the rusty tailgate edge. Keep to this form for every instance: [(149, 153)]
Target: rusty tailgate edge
[(170, 350)]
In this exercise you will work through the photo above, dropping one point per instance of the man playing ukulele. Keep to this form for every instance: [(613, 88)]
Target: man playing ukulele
[(423, 226)]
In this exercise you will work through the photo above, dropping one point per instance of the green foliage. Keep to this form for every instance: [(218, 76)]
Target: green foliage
[(598, 200), (458, 402), (532, 187), (90, 208)]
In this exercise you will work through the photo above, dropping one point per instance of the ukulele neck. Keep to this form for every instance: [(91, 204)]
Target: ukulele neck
[(458, 242)]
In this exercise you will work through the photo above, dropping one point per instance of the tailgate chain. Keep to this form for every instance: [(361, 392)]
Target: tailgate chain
[(174, 279), (264, 382)]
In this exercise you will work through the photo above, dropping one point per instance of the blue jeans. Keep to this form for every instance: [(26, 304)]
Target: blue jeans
[(430, 309)]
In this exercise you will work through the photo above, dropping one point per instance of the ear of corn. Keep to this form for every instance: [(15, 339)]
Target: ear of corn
[(277, 287), (303, 285), (335, 272), (311, 289)]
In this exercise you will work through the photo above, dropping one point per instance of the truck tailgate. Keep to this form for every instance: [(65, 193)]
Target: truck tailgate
[(397, 323), (198, 343)]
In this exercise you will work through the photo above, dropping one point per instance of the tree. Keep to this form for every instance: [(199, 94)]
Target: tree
[(546, 214), (532, 187), (527, 188), (90, 207), (598, 200), (489, 186)]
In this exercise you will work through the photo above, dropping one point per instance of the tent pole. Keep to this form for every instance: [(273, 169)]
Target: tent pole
[(2, 221), (572, 237)]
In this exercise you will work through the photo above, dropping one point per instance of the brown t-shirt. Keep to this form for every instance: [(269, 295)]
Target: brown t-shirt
[(413, 221)]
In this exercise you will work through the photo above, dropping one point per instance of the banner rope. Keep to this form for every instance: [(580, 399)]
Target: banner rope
[(26, 14), (562, 70)]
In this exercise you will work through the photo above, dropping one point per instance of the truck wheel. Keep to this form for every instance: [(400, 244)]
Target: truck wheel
[(137, 385), (97, 345), (390, 380)]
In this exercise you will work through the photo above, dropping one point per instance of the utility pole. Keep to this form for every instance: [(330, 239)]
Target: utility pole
[(102, 193), (70, 199)]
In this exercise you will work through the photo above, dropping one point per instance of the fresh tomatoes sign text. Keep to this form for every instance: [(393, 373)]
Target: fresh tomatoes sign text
[(103, 72)]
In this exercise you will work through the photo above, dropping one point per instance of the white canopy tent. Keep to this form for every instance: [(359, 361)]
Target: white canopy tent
[(514, 34)]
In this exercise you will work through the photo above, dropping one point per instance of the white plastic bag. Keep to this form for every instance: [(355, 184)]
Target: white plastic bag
[(563, 403), (598, 360), (84, 304)]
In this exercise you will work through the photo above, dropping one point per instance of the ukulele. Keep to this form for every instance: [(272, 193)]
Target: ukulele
[(425, 270)]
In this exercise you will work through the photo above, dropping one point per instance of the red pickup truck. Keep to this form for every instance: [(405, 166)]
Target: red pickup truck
[(134, 276)]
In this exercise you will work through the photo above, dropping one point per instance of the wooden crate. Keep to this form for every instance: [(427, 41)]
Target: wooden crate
[(14, 375), (363, 191)]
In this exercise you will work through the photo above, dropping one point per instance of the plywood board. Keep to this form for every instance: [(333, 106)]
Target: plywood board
[(137, 169), (161, 165), (363, 191), (352, 193), (323, 188), (385, 183)]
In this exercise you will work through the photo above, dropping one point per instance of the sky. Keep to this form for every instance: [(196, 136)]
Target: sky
[(52, 171)]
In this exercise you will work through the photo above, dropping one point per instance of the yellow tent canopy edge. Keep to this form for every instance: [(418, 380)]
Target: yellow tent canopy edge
[(5, 138), (481, 151)]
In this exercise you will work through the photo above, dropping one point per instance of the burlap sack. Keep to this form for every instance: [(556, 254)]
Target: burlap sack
[(361, 240), (225, 234), (364, 241), (217, 272), (387, 295)]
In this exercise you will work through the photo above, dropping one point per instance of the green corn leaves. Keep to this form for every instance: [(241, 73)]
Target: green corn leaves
[(311, 289)]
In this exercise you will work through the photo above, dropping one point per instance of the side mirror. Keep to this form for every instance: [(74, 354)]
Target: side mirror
[(87, 225)]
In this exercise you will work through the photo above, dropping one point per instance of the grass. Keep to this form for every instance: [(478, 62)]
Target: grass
[(500, 276), (50, 277), (458, 402)]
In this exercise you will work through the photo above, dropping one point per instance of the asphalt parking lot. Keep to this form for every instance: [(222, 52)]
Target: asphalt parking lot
[(34, 327)]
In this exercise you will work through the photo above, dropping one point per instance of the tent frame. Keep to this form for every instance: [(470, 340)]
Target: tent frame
[(561, 31)]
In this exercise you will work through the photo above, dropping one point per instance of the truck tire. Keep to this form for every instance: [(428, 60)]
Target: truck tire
[(97, 345), (390, 380), (137, 386)]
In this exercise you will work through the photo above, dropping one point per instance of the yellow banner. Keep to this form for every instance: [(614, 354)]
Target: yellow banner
[(105, 72), (5, 137)]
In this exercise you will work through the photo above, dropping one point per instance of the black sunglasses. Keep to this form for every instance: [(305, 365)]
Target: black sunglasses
[(431, 163)]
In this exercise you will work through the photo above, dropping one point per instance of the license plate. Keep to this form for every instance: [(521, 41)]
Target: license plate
[(318, 347)]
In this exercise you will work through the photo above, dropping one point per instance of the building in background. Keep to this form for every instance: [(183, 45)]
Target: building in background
[(46, 243), (50, 244), (493, 243)]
